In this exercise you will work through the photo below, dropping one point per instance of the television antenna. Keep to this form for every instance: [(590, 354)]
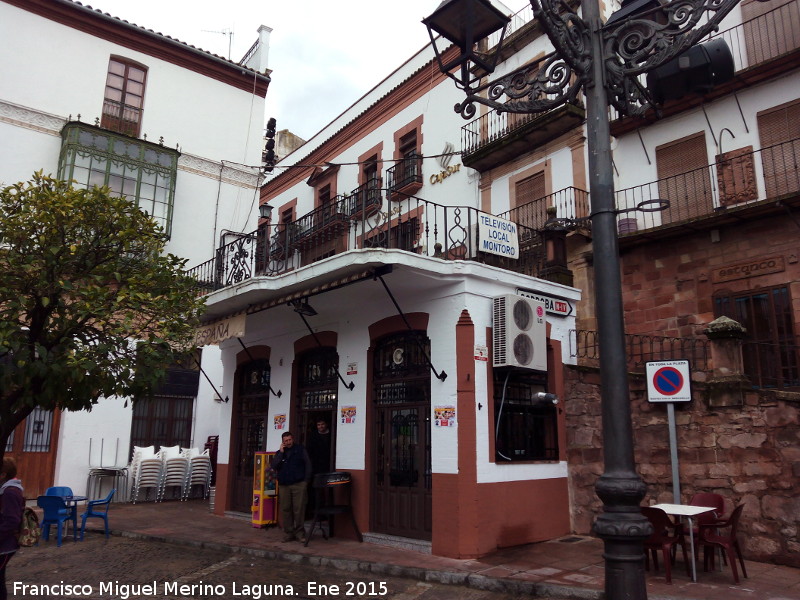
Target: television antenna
[(228, 31)]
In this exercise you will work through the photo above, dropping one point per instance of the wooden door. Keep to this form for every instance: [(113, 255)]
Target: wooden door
[(34, 445), (401, 440)]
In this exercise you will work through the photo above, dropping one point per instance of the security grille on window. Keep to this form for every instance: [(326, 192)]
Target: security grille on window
[(771, 352), (525, 426), (162, 421), (38, 426), (141, 171)]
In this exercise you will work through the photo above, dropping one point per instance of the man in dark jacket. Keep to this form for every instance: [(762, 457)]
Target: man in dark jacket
[(12, 504), (294, 472)]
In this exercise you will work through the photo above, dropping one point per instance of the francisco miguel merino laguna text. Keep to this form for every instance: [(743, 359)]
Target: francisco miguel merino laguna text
[(123, 591)]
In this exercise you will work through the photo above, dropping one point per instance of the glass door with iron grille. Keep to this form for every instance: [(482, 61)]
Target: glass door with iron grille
[(251, 409), (402, 481), (316, 388)]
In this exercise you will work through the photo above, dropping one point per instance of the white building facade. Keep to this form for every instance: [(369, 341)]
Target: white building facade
[(368, 301), (107, 102)]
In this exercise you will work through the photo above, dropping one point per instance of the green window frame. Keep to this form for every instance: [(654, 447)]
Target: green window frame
[(141, 171)]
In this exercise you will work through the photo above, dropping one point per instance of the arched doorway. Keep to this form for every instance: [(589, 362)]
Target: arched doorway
[(251, 409), (401, 388), (316, 398)]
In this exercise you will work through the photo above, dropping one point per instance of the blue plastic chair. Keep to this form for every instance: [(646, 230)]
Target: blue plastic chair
[(56, 512), (99, 509), (65, 492)]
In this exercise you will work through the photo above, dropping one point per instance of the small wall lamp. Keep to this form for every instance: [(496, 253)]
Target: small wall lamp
[(265, 211)]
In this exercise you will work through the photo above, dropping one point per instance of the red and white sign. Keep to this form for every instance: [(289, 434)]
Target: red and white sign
[(669, 381)]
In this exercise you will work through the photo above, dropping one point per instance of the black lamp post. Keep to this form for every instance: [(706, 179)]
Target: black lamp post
[(604, 61)]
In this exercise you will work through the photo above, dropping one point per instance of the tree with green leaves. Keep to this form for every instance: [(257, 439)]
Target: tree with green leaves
[(90, 304)]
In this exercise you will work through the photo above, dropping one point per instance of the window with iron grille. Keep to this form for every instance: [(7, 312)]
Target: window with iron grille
[(401, 369), (145, 173), (38, 426), (525, 427), (124, 96), (317, 379), (770, 352), (162, 421)]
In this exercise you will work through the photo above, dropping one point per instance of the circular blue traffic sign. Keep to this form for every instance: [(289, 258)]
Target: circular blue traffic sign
[(668, 381)]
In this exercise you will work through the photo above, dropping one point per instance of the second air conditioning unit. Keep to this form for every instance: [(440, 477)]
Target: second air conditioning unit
[(519, 333)]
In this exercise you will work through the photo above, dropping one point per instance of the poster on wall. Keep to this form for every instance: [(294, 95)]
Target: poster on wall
[(348, 414), (280, 421), (444, 416)]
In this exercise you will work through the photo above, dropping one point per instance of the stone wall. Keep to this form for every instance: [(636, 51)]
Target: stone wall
[(750, 454)]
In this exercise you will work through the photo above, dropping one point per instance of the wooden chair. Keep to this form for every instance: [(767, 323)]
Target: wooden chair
[(661, 539)]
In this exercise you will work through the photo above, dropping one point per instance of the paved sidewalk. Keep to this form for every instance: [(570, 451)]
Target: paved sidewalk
[(571, 567)]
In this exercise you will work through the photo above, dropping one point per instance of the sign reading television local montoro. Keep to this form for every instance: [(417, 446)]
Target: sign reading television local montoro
[(668, 381), (497, 236)]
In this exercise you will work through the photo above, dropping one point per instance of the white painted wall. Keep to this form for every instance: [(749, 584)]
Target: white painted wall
[(631, 153), (348, 313), (217, 129)]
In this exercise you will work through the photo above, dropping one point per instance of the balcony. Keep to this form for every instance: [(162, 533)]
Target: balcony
[(741, 183), (365, 200), (361, 222), (405, 178), (121, 118), (570, 204), (766, 44), (497, 138)]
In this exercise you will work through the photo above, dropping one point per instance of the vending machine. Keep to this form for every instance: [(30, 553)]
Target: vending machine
[(265, 491)]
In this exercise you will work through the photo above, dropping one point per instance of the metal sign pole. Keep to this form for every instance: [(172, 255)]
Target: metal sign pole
[(673, 453)]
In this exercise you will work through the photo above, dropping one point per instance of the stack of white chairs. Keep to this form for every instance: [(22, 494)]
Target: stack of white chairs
[(176, 471), (147, 469), (199, 471)]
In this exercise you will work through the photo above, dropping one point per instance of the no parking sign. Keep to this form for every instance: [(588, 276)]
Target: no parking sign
[(668, 381)]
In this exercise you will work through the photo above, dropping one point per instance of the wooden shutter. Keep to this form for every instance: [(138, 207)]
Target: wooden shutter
[(770, 29), (530, 201), (779, 130), (683, 178)]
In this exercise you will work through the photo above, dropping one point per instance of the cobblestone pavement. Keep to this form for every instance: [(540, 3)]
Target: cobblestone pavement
[(122, 568)]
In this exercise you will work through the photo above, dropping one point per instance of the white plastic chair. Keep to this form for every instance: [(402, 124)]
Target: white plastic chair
[(176, 470), (199, 473), (148, 471)]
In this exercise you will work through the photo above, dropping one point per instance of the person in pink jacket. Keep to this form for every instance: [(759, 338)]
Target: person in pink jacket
[(12, 505)]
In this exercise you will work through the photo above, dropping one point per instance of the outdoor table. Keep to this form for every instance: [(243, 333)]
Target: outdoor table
[(72, 503), (688, 511)]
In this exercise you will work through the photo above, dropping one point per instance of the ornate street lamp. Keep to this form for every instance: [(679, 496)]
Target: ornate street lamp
[(604, 62)]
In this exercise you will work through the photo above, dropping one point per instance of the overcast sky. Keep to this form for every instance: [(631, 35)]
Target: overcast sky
[(324, 54)]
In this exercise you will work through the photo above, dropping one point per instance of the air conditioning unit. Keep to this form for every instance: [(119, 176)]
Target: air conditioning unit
[(519, 333)]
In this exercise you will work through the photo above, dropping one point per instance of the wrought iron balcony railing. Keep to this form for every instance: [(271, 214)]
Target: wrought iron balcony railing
[(640, 349), (766, 365), (360, 220), (570, 204), (121, 117), (405, 177), (735, 180)]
